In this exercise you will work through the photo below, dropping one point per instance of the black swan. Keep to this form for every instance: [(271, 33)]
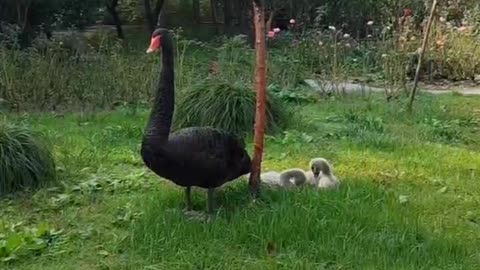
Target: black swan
[(197, 156)]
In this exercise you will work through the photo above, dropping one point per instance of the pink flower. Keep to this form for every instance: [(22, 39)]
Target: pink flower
[(292, 21), (271, 34), (276, 30)]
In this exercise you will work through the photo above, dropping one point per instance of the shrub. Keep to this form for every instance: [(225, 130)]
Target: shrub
[(226, 106), (25, 161)]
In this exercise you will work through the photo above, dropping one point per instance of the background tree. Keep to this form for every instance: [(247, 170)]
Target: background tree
[(196, 10), (28, 16), (153, 16), (112, 9)]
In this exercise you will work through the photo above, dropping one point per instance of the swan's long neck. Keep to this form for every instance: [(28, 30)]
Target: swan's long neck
[(160, 121)]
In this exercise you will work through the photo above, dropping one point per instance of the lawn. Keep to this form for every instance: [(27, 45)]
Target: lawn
[(410, 195)]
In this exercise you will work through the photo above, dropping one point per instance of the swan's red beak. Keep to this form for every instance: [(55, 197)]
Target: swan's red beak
[(154, 45)]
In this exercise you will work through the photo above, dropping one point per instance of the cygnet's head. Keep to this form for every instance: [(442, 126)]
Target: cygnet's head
[(319, 166)]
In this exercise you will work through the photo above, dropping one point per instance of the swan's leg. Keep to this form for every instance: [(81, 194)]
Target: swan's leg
[(188, 198), (210, 200)]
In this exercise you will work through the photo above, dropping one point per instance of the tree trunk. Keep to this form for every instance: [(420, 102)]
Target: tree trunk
[(112, 9), (152, 18), (245, 15), (159, 13), (161, 17), (270, 20), (196, 10), (227, 13), (237, 11), (213, 7), (421, 54), (260, 86), (148, 16)]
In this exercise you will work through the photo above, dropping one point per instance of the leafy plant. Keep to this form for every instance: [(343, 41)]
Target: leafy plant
[(446, 130), (364, 122), (222, 105), (25, 161), (17, 241), (296, 95)]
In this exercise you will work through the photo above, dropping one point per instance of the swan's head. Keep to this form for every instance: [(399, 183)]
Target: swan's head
[(319, 166), (156, 40)]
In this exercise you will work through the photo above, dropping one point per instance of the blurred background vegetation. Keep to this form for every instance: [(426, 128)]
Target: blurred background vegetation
[(86, 55)]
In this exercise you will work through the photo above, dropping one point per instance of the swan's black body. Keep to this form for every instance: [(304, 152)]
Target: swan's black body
[(197, 156)]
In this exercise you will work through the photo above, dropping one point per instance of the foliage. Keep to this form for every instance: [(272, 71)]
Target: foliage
[(297, 95), (71, 75), (453, 52), (227, 106), (399, 178), (35, 17), (400, 172), (17, 241), (78, 14), (25, 160), (456, 55)]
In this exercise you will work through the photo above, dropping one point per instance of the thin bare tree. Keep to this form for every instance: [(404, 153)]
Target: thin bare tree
[(260, 86), (421, 54)]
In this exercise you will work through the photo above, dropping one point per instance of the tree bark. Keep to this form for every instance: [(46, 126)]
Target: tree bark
[(270, 20), (260, 86), (213, 7), (237, 11), (112, 9), (159, 13), (421, 54), (227, 12), (148, 15), (161, 16), (153, 17), (196, 10)]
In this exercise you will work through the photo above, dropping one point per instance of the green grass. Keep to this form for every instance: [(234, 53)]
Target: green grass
[(409, 200)]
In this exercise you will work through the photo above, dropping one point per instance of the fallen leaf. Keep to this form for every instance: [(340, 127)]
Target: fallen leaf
[(403, 199), (103, 253), (443, 190)]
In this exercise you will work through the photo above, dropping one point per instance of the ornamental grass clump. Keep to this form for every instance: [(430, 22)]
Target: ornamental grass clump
[(226, 106), (25, 160)]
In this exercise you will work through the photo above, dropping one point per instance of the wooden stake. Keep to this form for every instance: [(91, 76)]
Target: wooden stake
[(260, 86), (420, 57)]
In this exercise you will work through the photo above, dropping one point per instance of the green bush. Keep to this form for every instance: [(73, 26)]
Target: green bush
[(25, 161), (225, 106)]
